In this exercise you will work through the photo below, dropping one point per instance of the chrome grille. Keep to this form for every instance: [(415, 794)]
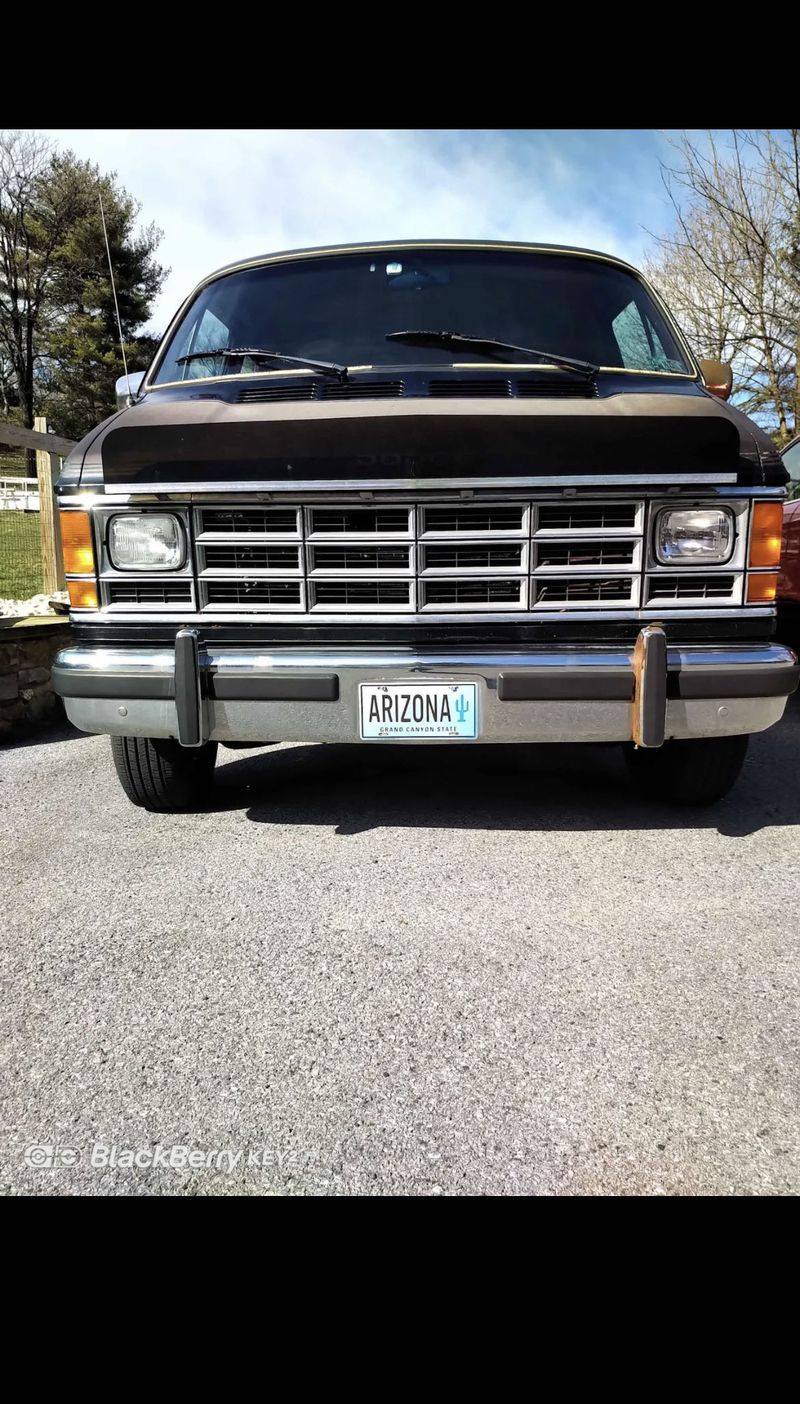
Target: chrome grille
[(448, 556), (508, 556)]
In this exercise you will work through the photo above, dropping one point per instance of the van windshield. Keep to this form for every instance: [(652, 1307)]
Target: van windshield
[(341, 307)]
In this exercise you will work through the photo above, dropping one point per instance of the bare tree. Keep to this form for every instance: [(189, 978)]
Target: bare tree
[(782, 153), (724, 267)]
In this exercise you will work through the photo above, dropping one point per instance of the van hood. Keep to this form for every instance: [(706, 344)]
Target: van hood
[(173, 443)]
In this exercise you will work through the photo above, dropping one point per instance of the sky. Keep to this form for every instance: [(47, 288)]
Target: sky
[(223, 195)]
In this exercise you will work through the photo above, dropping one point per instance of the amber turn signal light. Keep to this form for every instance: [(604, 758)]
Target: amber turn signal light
[(76, 543), (762, 589), (766, 533), (82, 594)]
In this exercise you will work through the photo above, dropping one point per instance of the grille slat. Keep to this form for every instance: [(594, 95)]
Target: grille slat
[(474, 557), (690, 587), (267, 521), (359, 521), (246, 557), (457, 520), (362, 592), (473, 592), (358, 558), (587, 516), (145, 592), (558, 554), (253, 592), (580, 591)]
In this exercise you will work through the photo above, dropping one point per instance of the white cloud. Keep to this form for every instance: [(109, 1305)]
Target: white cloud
[(222, 195)]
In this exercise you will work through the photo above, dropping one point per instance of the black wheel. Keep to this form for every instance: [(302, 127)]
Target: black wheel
[(161, 775), (688, 772)]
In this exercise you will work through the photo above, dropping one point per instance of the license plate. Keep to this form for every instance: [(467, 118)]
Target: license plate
[(419, 711)]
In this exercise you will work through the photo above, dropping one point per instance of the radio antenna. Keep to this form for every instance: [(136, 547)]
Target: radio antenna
[(114, 291)]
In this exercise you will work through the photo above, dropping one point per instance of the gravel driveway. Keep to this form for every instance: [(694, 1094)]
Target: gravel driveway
[(402, 972)]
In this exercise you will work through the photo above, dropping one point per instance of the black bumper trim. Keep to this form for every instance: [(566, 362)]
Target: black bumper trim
[(753, 681), (591, 684), (69, 683), (322, 687), (587, 684)]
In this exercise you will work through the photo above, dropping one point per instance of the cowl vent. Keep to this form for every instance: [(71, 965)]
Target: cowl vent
[(422, 386)]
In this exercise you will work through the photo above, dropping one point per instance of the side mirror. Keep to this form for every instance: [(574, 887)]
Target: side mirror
[(127, 388), (717, 378)]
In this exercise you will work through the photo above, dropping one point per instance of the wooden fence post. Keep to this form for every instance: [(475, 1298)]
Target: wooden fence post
[(47, 470)]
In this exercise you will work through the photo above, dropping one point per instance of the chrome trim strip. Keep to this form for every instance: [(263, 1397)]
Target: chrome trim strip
[(359, 485), (117, 662), (72, 500), (133, 662), (621, 616)]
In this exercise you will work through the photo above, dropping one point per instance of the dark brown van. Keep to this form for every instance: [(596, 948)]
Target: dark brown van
[(445, 492)]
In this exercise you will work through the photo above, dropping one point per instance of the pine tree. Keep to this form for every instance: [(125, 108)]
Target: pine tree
[(58, 328)]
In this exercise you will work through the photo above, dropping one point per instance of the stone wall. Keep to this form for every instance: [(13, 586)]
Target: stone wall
[(27, 649)]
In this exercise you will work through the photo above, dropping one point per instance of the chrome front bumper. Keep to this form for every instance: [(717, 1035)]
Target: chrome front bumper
[(569, 694)]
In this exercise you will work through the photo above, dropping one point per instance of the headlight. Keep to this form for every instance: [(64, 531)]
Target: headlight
[(697, 536), (145, 541)]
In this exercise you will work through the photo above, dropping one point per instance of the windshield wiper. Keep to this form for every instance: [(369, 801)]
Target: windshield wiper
[(454, 340), (237, 352)]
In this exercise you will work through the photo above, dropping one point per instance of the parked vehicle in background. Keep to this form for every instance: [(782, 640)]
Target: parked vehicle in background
[(789, 579), (430, 491)]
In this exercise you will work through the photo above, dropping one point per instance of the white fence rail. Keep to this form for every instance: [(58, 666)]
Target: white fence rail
[(19, 495)]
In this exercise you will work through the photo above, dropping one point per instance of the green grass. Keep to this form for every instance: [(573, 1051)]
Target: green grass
[(14, 465), (20, 555)]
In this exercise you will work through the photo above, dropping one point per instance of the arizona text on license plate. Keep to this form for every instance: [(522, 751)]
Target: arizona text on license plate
[(418, 711)]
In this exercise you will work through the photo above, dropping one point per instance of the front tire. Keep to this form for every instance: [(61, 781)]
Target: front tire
[(162, 776), (695, 772)]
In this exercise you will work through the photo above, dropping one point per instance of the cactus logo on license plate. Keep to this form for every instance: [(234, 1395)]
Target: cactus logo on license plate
[(419, 711)]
